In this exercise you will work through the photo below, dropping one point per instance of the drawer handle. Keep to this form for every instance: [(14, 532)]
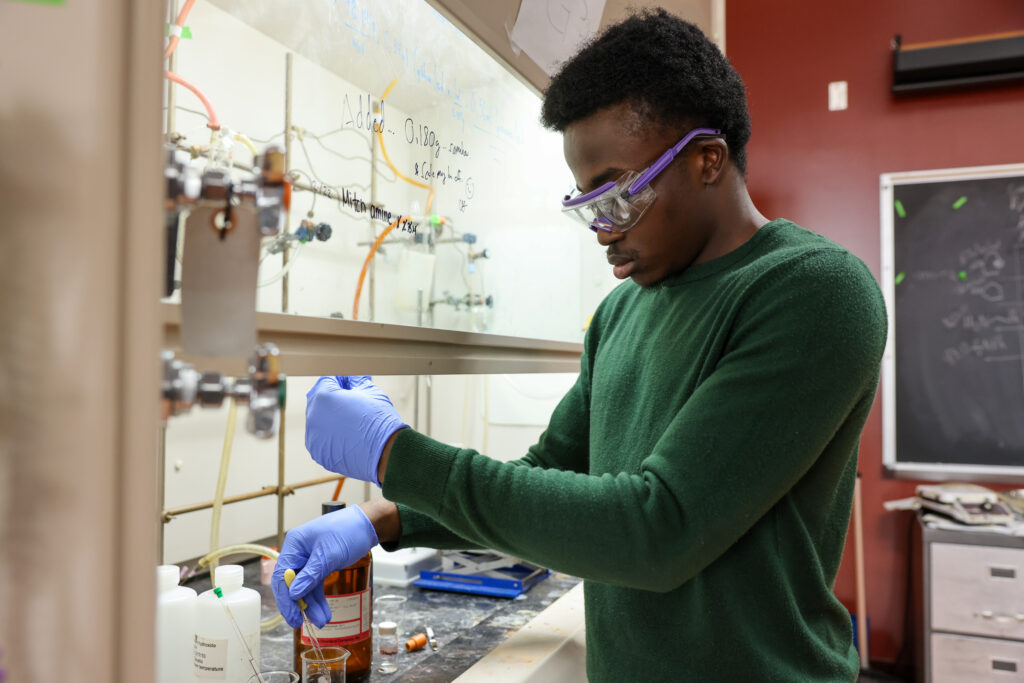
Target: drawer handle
[(989, 615)]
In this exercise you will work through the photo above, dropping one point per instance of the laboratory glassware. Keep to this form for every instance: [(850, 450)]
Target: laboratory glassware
[(275, 677), (348, 594), (330, 669)]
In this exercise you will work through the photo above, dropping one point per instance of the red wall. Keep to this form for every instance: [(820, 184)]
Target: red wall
[(821, 168)]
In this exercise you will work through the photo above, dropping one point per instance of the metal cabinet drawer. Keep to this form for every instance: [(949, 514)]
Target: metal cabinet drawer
[(977, 589), (963, 659)]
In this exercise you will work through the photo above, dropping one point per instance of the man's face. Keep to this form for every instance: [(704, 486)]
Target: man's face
[(675, 229)]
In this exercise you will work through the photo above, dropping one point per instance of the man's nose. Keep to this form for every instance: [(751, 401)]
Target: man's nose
[(604, 237)]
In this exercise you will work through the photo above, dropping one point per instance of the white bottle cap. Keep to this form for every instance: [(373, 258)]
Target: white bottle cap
[(387, 628), (228, 577), (167, 576)]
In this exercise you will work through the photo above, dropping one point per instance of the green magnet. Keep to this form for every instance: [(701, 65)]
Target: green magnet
[(960, 202), (899, 278), (435, 219), (900, 211), (963, 275)]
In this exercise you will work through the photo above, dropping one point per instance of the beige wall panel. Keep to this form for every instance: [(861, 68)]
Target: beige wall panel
[(73, 482)]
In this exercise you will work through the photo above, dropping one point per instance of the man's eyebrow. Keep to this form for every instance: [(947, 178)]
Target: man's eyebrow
[(602, 178)]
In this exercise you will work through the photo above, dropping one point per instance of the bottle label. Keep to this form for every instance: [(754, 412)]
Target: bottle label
[(210, 658), (350, 620)]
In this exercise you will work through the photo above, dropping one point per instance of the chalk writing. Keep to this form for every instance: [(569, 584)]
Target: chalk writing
[(962, 317), (984, 265), (978, 347), (978, 250), (1016, 193)]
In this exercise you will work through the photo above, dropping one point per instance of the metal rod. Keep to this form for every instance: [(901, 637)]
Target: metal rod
[(373, 230), (280, 476), (416, 379), (862, 601), (408, 240), (322, 190), (287, 165), (416, 403), (429, 382), (170, 514), (171, 97), (161, 470)]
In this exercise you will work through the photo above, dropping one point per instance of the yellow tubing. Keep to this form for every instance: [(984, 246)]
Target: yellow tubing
[(248, 143), (222, 478), (243, 549)]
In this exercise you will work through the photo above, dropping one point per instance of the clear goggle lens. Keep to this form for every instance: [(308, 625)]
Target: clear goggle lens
[(614, 210)]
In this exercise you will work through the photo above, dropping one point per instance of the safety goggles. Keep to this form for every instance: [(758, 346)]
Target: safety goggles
[(619, 204)]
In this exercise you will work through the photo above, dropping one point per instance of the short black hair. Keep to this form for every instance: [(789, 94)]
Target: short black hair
[(664, 67)]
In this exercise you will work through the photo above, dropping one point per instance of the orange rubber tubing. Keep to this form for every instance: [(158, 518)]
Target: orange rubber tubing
[(179, 22), (214, 122), (366, 263), (380, 238), (337, 489)]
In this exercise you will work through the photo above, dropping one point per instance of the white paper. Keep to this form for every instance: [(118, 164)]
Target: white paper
[(912, 503), (551, 31)]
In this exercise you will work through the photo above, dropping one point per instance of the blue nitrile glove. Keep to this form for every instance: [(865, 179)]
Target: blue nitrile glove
[(315, 550), (348, 422)]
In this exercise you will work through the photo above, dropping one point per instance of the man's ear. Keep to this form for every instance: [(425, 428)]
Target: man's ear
[(713, 154)]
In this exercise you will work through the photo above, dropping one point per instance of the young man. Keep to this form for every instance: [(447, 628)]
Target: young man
[(699, 475)]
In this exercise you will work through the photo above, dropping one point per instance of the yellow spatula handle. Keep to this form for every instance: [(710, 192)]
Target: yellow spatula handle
[(289, 576)]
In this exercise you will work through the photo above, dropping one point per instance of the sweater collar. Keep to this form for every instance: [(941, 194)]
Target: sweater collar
[(725, 261)]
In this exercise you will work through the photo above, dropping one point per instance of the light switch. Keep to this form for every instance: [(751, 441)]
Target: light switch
[(837, 96)]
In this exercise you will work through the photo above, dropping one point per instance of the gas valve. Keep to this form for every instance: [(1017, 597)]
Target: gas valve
[(263, 389)]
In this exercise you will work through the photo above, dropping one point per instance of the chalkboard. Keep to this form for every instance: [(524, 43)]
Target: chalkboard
[(953, 274)]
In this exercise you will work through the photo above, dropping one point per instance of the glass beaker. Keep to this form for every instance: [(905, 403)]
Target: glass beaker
[(330, 669), (388, 608), (387, 613), (275, 677)]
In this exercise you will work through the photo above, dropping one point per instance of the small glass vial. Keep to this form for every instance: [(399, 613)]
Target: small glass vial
[(387, 637)]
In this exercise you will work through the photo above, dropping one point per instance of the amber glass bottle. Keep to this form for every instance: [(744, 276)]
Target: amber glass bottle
[(348, 594)]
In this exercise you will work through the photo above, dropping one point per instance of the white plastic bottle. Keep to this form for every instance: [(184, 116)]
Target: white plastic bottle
[(217, 654), (175, 626)]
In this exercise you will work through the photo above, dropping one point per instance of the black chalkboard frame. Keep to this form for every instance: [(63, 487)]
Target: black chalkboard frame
[(900, 458)]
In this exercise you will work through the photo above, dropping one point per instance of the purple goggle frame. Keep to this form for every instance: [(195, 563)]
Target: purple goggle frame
[(644, 179)]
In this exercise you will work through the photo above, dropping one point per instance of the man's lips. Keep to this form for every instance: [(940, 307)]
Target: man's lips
[(622, 264)]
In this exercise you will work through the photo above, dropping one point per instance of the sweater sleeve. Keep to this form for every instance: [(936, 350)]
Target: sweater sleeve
[(804, 352), (562, 446)]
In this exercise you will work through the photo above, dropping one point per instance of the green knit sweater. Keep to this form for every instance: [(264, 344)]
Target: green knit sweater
[(698, 476)]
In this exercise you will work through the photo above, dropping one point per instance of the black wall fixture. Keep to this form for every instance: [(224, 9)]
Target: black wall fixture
[(957, 63)]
